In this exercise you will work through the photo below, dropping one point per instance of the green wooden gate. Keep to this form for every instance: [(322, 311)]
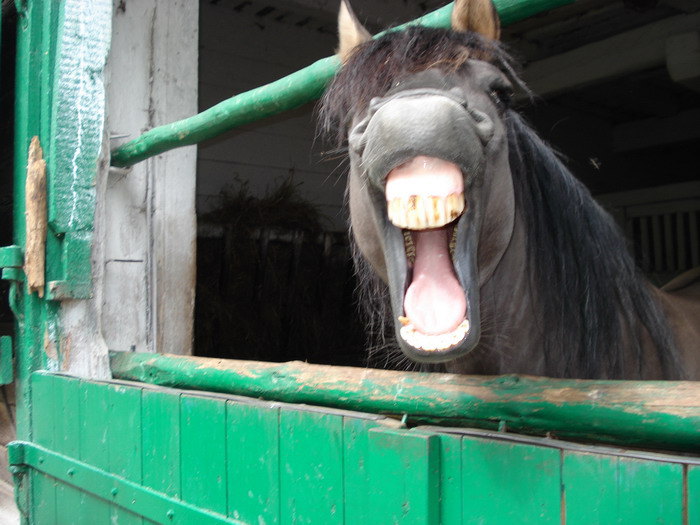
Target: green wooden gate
[(124, 451), (185, 440)]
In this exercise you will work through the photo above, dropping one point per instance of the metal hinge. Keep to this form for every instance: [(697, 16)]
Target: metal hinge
[(11, 262), (15, 453)]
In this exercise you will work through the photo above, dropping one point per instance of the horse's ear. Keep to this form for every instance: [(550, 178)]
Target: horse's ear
[(479, 16), (350, 31)]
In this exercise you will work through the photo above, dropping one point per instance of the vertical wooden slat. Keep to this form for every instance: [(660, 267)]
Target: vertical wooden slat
[(644, 243), (161, 441), (70, 501), (94, 428), (451, 479), (356, 463), (124, 441), (681, 241), (510, 483), (668, 243), (311, 467), (657, 243), (694, 238), (693, 495), (253, 463), (607, 489), (43, 488), (404, 477), (203, 452)]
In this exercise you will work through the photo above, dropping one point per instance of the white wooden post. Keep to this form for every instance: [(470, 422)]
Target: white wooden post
[(150, 237)]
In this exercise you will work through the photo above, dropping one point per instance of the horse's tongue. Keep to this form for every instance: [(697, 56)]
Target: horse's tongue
[(435, 301)]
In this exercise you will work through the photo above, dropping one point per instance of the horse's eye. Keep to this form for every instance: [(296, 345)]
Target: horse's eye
[(502, 96)]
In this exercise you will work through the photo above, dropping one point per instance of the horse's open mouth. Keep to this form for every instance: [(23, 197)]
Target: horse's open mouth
[(425, 197)]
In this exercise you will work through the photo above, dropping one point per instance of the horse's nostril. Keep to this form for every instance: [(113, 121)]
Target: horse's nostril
[(483, 124)]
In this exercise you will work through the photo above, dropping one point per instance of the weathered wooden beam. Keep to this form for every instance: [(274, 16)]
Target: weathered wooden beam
[(647, 133), (660, 414), (683, 59), (614, 57)]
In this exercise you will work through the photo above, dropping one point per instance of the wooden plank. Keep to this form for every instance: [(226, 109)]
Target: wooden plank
[(693, 217), (681, 241), (124, 281), (619, 55), (356, 465), (43, 488), (506, 482), (668, 243), (311, 467), (94, 429), (124, 441), (152, 210), (652, 413), (693, 495), (66, 399), (253, 463), (645, 243), (609, 489), (655, 131), (657, 243), (404, 480), (451, 479), (203, 452), (161, 441)]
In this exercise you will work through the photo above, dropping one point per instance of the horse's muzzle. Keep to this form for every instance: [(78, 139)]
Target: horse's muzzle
[(429, 122)]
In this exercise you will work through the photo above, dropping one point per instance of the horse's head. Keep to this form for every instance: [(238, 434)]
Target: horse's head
[(431, 198)]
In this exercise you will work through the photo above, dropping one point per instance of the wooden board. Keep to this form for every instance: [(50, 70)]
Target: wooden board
[(227, 459)]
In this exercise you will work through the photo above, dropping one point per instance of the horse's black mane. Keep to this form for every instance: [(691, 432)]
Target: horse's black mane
[(595, 306)]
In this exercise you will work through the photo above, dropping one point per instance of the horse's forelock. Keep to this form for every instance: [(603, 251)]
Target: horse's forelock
[(375, 66)]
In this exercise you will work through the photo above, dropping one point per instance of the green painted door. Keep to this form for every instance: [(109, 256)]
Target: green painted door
[(131, 453)]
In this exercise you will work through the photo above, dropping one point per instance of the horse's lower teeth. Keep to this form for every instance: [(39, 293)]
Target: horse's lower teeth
[(432, 342), (419, 212)]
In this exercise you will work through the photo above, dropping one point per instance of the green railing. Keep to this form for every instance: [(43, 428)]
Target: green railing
[(657, 414), (287, 93)]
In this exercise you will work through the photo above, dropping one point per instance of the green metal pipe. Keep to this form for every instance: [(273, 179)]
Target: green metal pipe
[(658, 414), (287, 93)]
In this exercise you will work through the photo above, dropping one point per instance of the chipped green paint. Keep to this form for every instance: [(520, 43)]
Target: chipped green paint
[(237, 458), (297, 89), (663, 414), (34, 74), (136, 500), (7, 374), (61, 50)]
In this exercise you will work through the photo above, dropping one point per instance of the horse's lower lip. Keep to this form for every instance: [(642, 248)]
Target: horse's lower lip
[(433, 342)]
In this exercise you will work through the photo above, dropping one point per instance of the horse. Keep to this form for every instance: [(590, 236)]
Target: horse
[(476, 243)]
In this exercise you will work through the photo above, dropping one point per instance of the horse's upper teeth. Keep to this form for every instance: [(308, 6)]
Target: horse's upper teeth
[(419, 212)]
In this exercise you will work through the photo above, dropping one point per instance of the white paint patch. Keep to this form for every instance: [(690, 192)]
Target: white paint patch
[(79, 117), (81, 95)]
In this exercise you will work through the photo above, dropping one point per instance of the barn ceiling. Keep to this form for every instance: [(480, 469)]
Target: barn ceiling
[(604, 66)]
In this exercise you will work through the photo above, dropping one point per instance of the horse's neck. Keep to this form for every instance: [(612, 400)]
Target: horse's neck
[(682, 306)]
